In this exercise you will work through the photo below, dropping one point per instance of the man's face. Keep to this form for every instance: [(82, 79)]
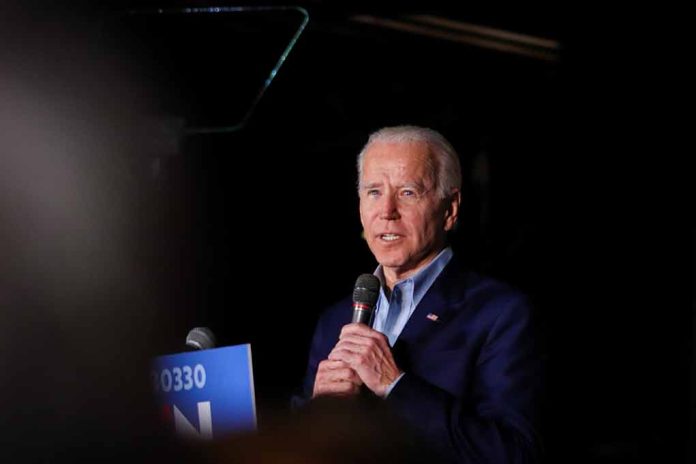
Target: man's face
[(405, 221)]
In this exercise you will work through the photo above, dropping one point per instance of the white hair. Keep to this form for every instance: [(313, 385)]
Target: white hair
[(444, 159)]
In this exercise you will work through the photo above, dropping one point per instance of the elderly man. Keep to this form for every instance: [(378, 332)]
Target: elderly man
[(450, 351)]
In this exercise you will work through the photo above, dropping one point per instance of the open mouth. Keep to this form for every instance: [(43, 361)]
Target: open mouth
[(389, 237)]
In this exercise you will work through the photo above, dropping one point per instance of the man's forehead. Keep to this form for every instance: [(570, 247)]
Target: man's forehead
[(411, 161), (411, 154), (398, 146), (415, 183)]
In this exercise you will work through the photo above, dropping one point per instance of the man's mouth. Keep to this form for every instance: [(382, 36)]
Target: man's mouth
[(389, 237)]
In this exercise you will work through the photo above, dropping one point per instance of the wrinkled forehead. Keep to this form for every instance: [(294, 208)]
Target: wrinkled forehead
[(406, 161)]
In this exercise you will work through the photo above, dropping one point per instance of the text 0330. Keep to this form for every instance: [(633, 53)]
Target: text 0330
[(179, 378)]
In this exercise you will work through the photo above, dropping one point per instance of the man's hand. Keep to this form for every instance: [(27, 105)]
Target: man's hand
[(335, 378), (367, 352)]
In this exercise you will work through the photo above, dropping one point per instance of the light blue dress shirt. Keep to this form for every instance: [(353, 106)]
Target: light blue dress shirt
[(393, 313)]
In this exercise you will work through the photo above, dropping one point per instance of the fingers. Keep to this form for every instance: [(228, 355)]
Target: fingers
[(336, 378), (360, 340), (358, 352), (368, 353), (361, 356), (337, 371), (363, 331)]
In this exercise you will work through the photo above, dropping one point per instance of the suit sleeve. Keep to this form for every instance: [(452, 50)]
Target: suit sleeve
[(319, 350), (496, 421)]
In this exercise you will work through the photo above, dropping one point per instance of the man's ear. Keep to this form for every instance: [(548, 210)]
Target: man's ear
[(452, 204)]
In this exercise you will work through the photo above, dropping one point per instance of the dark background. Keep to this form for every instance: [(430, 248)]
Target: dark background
[(575, 210), (573, 194)]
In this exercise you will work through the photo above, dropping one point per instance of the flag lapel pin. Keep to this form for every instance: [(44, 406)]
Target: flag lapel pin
[(433, 317)]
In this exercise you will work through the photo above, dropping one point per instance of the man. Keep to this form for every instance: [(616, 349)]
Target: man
[(450, 352)]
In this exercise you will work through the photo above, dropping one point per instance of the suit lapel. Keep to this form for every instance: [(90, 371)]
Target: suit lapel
[(431, 314)]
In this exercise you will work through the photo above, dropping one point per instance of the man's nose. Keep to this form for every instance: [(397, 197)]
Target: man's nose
[(388, 208)]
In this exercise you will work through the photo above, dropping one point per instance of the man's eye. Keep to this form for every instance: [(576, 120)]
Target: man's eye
[(372, 192), (408, 193)]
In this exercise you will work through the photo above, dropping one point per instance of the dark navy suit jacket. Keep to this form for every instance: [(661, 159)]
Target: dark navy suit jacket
[(473, 376)]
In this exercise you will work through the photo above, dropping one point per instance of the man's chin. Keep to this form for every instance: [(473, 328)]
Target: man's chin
[(391, 262)]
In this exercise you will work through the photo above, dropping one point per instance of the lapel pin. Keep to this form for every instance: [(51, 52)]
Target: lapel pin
[(433, 317)]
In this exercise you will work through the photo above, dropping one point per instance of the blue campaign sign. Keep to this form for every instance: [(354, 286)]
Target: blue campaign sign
[(209, 393)]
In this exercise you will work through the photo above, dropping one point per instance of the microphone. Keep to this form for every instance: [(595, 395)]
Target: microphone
[(200, 338), (365, 294)]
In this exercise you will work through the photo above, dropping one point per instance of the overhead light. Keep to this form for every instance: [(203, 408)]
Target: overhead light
[(470, 34)]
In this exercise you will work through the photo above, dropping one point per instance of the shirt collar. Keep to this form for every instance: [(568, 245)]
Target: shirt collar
[(421, 281)]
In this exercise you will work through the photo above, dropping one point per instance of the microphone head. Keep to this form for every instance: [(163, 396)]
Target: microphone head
[(200, 338), (366, 290)]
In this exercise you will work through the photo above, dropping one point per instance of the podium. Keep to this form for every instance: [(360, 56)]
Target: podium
[(206, 394)]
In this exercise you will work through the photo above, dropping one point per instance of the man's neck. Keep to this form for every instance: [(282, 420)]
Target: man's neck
[(393, 276)]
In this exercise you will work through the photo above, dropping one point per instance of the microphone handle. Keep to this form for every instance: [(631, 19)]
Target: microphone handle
[(362, 314)]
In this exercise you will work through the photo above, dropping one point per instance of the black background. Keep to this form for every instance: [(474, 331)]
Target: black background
[(578, 211), (584, 207)]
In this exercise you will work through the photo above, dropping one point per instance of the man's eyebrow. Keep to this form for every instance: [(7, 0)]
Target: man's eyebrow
[(411, 185), (415, 184)]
